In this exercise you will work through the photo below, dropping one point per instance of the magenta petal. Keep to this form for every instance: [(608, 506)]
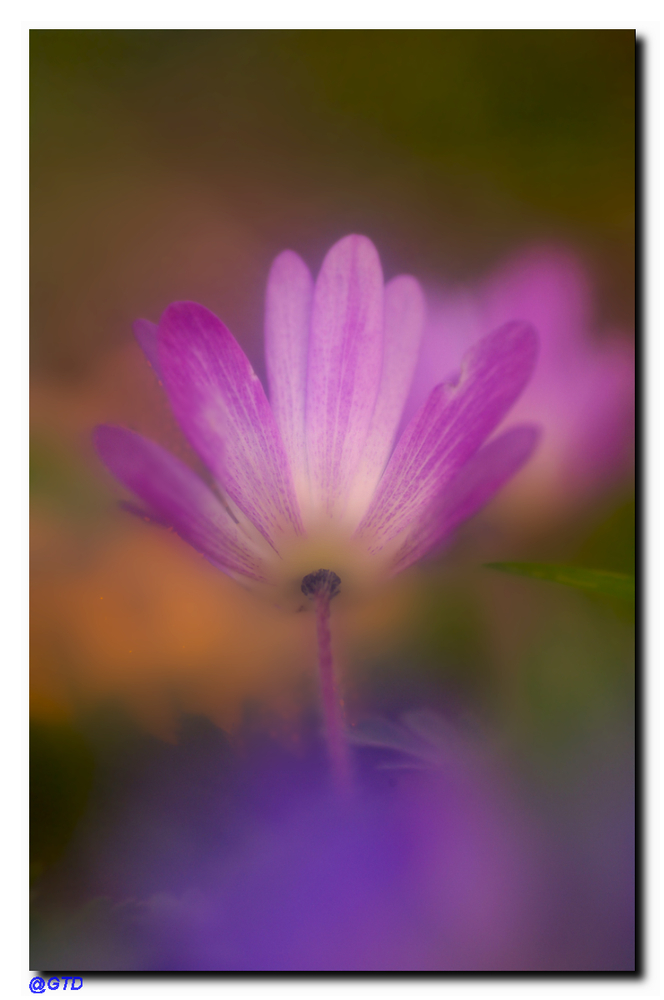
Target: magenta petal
[(222, 408), (175, 495), (287, 319), (549, 288), (146, 335), (345, 361), (449, 428), (403, 326), (478, 481)]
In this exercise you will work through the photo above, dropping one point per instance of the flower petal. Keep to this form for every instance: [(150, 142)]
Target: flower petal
[(222, 408), (287, 319), (403, 326), (345, 362), (449, 428), (545, 286), (146, 335), (549, 287), (176, 496), (477, 482), (454, 323)]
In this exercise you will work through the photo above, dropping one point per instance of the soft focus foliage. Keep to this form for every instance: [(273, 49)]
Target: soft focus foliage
[(619, 585)]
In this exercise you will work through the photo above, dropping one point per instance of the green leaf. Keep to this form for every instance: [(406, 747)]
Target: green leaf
[(597, 581)]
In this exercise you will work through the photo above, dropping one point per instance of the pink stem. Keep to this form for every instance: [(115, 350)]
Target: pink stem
[(332, 707)]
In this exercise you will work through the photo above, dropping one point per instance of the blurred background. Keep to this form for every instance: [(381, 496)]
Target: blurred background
[(173, 165)]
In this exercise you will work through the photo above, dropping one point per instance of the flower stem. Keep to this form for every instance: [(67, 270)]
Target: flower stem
[(332, 708), (322, 586)]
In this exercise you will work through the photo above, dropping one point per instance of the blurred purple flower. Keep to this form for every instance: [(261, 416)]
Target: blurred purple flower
[(311, 479), (433, 871), (425, 741), (582, 393), (198, 858), (437, 877)]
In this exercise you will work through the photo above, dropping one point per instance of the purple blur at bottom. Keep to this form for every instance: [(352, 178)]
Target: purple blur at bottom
[(199, 859), (426, 879)]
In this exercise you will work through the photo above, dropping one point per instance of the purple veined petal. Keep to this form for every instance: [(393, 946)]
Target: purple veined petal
[(449, 428), (404, 314), (344, 369), (287, 319), (222, 409), (174, 495), (454, 323), (543, 285), (478, 481), (146, 335)]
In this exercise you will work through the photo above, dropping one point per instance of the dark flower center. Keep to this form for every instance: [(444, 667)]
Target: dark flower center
[(321, 583)]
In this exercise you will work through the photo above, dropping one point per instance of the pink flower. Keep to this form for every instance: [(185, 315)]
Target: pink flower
[(582, 393), (313, 478)]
